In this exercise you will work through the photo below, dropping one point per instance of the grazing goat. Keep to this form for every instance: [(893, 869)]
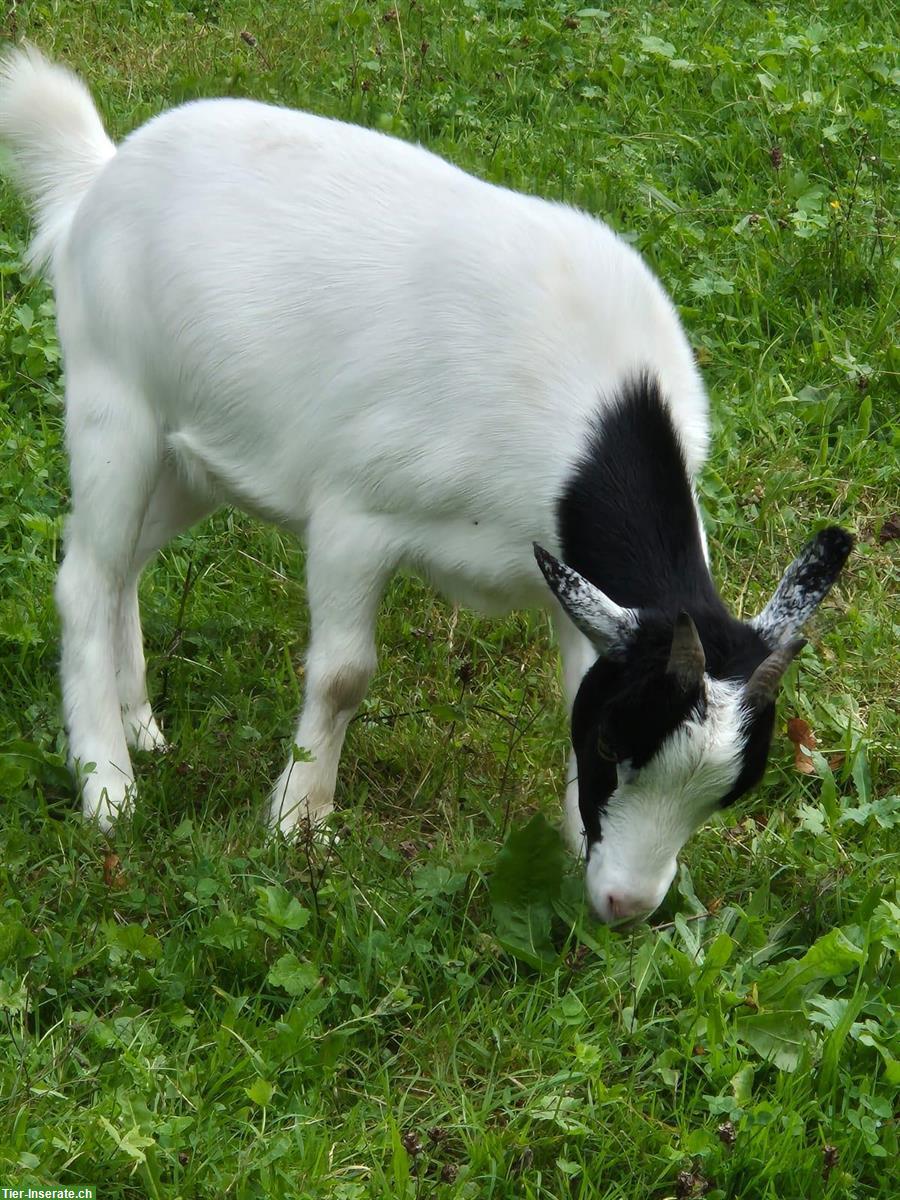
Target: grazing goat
[(408, 367)]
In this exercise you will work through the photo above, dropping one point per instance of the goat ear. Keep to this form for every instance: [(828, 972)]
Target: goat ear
[(804, 586), (609, 626)]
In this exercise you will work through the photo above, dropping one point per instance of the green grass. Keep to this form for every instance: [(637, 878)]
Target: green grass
[(186, 1011)]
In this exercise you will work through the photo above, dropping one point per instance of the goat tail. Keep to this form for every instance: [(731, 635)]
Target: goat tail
[(57, 141)]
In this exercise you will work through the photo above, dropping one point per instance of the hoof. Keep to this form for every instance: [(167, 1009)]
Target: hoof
[(142, 731), (294, 809), (105, 797)]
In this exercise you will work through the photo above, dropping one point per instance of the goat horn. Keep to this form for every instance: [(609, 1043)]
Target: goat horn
[(686, 658), (763, 684)]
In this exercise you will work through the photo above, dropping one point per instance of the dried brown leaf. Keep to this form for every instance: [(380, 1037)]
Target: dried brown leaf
[(112, 874), (803, 738)]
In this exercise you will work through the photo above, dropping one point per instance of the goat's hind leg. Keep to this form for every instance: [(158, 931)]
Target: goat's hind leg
[(174, 507), (115, 455)]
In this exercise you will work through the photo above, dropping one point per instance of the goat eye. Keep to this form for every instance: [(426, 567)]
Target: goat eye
[(604, 750)]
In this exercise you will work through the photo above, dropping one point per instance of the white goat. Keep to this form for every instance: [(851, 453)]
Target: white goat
[(406, 366)]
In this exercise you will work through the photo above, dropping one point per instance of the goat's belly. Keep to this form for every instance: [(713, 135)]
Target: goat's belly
[(473, 594), (483, 564), (228, 473), (486, 567)]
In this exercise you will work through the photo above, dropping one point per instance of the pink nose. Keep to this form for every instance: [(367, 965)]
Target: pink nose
[(623, 907)]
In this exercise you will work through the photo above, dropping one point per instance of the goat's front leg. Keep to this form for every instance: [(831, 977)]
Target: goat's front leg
[(578, 656), (348, 563)]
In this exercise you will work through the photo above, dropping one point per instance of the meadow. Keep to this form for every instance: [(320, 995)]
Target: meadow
[(424, 1008)]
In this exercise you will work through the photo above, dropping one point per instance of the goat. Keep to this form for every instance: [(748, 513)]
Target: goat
[(407, 367)]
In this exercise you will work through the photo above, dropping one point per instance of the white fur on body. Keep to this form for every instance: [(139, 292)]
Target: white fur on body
[(333, 329)]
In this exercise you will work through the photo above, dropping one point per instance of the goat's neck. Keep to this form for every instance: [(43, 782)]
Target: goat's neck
[(628, 516)]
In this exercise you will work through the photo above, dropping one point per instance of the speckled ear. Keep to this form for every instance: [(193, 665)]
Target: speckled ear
[(609, 626), (804, 586)]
